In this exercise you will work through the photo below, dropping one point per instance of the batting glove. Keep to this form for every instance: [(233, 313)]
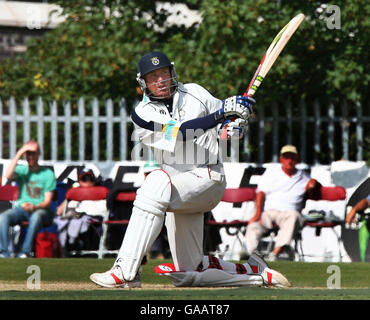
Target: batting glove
[(233, 129), (236, 107)]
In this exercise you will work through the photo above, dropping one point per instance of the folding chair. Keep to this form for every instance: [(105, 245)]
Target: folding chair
[(334, 193), (8, 196), (94, 193), (235, 228)]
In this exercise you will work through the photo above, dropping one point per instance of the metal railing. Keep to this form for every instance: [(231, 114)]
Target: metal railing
[(103, 131)]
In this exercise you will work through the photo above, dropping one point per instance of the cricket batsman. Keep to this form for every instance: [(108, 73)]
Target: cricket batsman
[(180, 124)]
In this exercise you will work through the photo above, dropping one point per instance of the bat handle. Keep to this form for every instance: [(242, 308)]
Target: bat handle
[(223, 135)]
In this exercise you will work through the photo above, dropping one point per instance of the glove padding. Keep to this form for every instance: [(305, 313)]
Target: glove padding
[(233, 129), (237, 107)]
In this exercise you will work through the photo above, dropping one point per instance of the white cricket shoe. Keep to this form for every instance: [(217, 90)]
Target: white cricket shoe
[(274, 278), (270, 276), (113, 278)]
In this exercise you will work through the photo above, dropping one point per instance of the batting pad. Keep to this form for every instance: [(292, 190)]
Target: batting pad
[(213, 278), (146, 222)]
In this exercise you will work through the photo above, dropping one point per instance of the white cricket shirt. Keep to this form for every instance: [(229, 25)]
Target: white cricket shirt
[(190, 101), (282, 192)]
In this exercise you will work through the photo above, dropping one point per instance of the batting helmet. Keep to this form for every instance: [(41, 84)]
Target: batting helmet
[(153, 61)]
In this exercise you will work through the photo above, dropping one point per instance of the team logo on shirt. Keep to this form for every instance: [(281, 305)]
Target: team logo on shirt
[(155, 61)]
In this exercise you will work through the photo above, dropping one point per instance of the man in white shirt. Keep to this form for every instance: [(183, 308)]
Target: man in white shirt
[(280, 198)]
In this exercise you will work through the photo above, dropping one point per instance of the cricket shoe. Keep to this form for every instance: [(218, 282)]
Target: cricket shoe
[(273, 278), (113, 278), (270, 277)]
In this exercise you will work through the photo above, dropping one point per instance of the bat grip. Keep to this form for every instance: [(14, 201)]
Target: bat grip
[(224, 132)]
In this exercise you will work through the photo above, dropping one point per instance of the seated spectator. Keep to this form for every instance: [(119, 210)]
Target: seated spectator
[(364, 230), (37, 186), (280, 198), (75, 219)]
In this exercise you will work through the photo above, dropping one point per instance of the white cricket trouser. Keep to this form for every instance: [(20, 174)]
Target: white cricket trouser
[(193, 193), (215, 272), (288, 222)]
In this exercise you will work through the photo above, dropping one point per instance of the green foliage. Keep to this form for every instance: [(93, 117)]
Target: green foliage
[(92, 54), (95, 51)]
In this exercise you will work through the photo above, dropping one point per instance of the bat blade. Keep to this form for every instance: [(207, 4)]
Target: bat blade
[(273, 51), (269, 58)]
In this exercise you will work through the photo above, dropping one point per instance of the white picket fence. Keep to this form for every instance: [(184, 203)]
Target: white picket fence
[(21, 114)]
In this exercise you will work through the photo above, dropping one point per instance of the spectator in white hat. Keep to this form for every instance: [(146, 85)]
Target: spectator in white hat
[(280, 197)]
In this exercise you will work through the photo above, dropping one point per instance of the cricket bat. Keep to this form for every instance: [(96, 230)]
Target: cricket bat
[(273, 51), (270, 56)]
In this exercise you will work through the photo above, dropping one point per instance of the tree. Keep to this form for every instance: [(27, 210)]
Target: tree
[(94, 53)]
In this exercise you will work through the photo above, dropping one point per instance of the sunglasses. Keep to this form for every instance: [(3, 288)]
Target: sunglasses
[(87, 177), (289, 155)]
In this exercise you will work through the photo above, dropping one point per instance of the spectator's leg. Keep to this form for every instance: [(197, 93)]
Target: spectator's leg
[(363, 240), (38, 219), (253, 236), (289, 223), (9, 218)]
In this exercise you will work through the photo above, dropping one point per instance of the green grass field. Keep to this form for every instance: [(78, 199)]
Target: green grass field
[(70, 278)]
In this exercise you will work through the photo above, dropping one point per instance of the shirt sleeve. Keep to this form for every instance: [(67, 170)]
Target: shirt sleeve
[(50, 182), (211, 103), (19, 171)]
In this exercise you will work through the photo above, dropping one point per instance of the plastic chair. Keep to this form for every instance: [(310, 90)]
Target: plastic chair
[(8, 196), (94, 193), (9, 193), (122, 196), (332, 193), (100, 193)]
